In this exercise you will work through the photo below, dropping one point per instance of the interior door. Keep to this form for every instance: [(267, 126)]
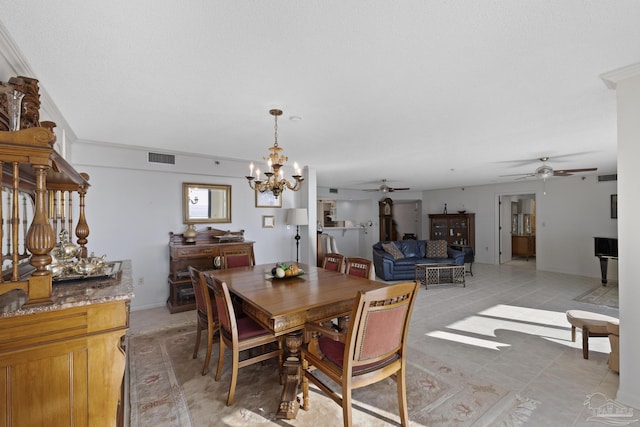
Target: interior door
[(505, 229)]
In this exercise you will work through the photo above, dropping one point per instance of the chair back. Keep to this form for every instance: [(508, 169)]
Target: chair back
[(232, 258), (333, 261), (226, 313), (359, 267), (201, 292), (378, 329)]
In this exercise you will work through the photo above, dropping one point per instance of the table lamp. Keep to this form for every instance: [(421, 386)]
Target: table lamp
[(297, 217)]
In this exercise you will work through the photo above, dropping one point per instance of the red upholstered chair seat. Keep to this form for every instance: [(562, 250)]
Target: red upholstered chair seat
[(247, 328)]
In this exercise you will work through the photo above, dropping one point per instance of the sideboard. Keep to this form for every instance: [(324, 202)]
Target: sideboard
[(209, 245), (63, 364)]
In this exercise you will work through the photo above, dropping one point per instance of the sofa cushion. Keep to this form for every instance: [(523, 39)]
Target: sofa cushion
[(393, 250), (436, 249), (411, 248)]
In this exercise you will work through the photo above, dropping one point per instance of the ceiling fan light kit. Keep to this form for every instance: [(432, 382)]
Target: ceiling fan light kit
[(544, 172)]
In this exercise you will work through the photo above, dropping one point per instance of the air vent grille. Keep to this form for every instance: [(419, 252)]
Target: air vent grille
[(167, 159), (603, 178), (333, 190)]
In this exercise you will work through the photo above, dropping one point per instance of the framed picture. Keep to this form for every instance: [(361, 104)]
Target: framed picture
[(268, 200), (268, 221), (614, 206)]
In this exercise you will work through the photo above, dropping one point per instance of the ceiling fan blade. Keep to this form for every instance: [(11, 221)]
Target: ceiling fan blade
[(524, 175), (401, 189), (568, 172)]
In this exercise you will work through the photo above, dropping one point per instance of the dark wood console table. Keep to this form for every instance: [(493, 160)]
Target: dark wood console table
[(209, 244)]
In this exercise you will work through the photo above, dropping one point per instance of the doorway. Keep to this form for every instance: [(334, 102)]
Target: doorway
[(408, 218), (517, 229)]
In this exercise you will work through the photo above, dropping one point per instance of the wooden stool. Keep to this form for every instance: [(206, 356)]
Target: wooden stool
[(592, 325)]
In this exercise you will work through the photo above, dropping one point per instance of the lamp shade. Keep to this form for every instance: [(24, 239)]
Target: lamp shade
[(297, 216)]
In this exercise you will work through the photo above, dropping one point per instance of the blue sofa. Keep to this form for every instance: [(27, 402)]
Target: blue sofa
[(411, 252)]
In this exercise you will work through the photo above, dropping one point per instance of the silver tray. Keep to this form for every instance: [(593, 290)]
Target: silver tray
[(110, 269)]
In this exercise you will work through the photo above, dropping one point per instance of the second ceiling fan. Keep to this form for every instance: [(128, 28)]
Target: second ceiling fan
[(545, 171), (384, 188)]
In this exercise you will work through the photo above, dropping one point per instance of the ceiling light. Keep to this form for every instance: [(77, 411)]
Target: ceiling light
[(275, 181), (544, 172)]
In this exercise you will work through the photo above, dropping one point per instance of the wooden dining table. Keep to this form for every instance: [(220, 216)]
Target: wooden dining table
[(283, 306)]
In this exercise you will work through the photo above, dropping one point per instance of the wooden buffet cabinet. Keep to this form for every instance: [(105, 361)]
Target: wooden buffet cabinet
[(62, 361), (209, 244)]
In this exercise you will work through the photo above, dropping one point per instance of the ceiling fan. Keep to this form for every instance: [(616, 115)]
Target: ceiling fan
[(384, 188), (545, 171)]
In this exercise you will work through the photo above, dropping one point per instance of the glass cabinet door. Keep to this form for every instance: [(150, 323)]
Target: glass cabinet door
[(457, 231), (440, 229)]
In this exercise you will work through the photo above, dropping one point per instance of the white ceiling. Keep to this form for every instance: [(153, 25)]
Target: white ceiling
[(428, 94)]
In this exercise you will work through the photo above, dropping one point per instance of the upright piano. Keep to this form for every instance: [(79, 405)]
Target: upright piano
[(605, 248)]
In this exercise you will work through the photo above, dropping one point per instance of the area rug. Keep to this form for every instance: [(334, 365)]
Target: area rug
[(166, 389), (602, 295)]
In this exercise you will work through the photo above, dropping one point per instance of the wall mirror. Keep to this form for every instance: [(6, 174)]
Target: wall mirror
[(206, 203)]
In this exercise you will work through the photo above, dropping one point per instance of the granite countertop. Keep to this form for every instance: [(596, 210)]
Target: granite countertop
[(73, 294)]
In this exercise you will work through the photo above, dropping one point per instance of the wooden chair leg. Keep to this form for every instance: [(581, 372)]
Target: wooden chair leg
[(346, 407), (585, 342), (402, 398), (305, 385), (220, 359), (573, 333), (207, 359), (235, 357), (197, 347)]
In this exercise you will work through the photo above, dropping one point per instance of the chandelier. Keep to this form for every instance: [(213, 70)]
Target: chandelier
[(275, 180)]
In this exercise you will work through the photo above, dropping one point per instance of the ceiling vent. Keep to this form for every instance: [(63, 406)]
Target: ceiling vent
[(603, 178), (333, 190), (166, 159)]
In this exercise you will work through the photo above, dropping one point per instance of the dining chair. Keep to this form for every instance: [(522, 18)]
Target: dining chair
[(206, 313), (240, 334), (372, 349), (333, 261), (232, 258), (360, 267)]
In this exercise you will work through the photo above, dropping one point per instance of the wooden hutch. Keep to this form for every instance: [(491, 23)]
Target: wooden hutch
[(202, 254), (457, 229), (61, 360)]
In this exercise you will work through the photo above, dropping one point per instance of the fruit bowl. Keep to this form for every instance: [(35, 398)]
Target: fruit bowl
[(462, 212), (285, 271), (300, 273)]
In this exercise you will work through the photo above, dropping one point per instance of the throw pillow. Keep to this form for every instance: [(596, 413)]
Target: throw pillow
[(436, 249), (393, 250)]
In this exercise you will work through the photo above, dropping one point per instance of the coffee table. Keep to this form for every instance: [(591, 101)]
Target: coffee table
[(437, 274)]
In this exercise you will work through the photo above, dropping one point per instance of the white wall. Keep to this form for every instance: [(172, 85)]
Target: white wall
[(132, 206), (567, 218)]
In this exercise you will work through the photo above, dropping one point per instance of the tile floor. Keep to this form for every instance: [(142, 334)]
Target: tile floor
[(509, 325)]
